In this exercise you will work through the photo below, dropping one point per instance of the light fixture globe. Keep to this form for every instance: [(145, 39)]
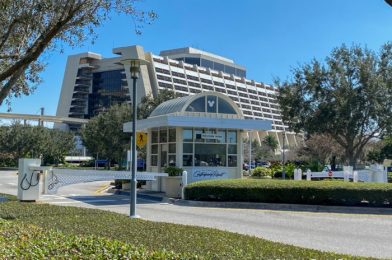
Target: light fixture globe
[(134, 68)]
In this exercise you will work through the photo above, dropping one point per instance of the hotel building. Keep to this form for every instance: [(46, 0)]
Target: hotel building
[(92, 83)]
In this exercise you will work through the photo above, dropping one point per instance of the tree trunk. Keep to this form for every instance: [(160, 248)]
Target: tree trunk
[(351, 158)]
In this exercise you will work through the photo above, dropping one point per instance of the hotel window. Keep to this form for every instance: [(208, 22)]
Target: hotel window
[(206, 81), (192, 78), (154, 147), (162, 71), (220, 90), (192, 90), (163, 142), (218, 84), (193, 84), (179, 81), (230, 86), (180, 75), (207, 87), (177, 87)]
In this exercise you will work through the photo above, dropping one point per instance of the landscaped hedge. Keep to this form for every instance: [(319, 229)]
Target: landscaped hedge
[(288, 191)]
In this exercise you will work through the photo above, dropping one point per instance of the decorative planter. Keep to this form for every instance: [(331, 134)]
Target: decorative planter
[(172, 186)]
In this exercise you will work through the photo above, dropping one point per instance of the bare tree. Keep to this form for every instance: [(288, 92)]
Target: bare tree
[(29, 28)]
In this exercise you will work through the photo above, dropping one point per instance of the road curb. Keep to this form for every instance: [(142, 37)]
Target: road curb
[(283, 207)]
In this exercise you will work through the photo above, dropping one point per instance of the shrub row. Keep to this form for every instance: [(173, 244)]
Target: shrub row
[(288, 191), (159, 239)]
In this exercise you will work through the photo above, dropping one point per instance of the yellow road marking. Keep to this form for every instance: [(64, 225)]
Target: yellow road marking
[(102, 188)]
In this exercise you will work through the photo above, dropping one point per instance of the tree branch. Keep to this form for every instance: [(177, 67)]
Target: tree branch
[(11, 82), (38, 46)]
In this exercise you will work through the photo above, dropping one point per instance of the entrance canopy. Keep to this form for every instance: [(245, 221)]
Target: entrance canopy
[(207, 109)]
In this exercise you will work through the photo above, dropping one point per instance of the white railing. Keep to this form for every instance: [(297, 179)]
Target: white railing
[(31, 172), (375, 173)]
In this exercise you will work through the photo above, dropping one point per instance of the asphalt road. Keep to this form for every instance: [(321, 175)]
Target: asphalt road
[(356, 234)]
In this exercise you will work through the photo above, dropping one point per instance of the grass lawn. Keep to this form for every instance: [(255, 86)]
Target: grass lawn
[(40, 230)]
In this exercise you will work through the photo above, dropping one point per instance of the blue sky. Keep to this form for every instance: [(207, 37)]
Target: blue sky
[(268, 37)]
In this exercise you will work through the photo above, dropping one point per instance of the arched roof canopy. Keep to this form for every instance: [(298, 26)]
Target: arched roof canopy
[(206, 102)]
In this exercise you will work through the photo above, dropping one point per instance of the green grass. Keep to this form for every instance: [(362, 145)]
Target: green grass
[(24, 241), (81, 227), (289, 191)]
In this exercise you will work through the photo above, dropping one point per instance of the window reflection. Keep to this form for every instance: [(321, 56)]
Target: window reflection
[(210, 155), (187, 160), (187, 135), (232, 137)]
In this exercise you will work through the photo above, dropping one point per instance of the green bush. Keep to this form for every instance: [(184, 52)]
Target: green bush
[(289, 170), (275, 167), (261, 172), (287, 191), (81, 227), (173, 171)]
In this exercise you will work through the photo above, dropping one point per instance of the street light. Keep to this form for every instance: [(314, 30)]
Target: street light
[(135, 71), (284, 138), (389, 2)]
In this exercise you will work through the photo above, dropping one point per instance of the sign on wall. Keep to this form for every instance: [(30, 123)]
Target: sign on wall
[(208, 173)]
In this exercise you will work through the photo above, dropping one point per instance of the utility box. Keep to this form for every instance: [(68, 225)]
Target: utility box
[(28, 180)]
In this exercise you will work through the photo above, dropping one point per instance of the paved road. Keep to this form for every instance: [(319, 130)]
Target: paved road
[(362, 235), (8, 182)]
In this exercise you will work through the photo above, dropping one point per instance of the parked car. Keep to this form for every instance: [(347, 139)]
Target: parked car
[(245, 166), (259, 164)]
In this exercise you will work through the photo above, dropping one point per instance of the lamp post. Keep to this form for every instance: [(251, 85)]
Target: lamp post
[(250, 153), (284, 138), (135, 71)]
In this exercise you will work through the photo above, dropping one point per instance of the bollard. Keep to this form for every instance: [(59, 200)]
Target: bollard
[(308, 175), (297, 174), (347, 171), (184, 183), (28, 180), (355, 176), (381, 173)]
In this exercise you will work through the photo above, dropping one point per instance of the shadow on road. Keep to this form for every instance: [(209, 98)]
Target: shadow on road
[(111, 200)]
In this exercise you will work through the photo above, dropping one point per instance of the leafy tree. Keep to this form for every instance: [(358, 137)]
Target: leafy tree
[(104, 134), (348, 97), (321, 148), (149, 103), (271, 142), (25, 141), (29, 28), (259, 152), (380, 150), (60, 144)]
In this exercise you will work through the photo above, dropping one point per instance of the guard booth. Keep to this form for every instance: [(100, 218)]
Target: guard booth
[(200, 133)]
